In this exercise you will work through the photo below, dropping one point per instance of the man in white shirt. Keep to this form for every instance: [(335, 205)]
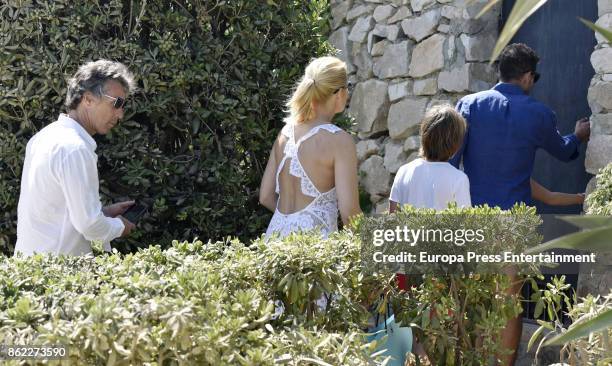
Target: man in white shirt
[(59, 207)]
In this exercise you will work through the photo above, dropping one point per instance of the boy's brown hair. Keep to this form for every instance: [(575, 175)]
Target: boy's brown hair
[(442, 131)]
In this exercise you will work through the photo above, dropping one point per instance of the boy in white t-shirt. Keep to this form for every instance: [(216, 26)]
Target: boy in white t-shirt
[(431, 181)]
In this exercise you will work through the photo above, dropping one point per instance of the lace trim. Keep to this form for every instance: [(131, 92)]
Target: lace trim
[(291, 152)]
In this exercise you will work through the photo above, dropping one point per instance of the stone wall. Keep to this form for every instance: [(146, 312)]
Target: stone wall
[(599, 150), (403, 57), (597, 278)]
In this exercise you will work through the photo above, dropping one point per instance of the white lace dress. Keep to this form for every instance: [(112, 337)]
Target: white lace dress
[(322, 212)]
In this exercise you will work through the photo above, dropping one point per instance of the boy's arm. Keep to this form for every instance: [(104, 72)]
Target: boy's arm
[(540, 193)]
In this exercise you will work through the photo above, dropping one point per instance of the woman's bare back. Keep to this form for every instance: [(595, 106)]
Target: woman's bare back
[(316, 155)]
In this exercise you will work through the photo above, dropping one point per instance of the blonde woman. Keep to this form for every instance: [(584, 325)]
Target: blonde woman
[(312, 169)]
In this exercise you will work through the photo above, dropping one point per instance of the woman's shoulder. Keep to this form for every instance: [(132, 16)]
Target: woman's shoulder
[(341, 139)]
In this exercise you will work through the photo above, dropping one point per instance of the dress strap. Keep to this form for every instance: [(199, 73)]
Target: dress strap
[(328, 127)]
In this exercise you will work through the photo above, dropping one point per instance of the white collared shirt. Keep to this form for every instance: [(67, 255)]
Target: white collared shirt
[(59, 207)]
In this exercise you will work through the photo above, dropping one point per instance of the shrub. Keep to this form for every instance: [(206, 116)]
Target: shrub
[(218, 303), (593, 349), (194, 303), (599, 202), (213, 78), (457, 310)]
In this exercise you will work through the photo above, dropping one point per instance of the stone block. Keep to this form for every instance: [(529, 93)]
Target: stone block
[(405, 117), (601, 124), (604, 7), (601, 60), (456, 80), (443, 28), (600, 96), (374, 178), (451, 12), (358, 11), (425, 86), (394, 62), (419, 5), (394, 156), (421, 26), (598, 154), (378, 49), (412, 144), (399, 90), (339, 11), (606, 22), (428, 56), (402, 13), (442, 100), (369, 104), (339, 39), (383, 12), (393, 32), (478, 48), (482, 76), (363, 61), (380, 30), (360, 30), (366, 148)]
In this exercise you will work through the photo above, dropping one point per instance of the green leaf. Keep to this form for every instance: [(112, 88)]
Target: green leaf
[(534, 337), (607, 33), (538, 309), (596, 240), (600, 322), (521, 10)]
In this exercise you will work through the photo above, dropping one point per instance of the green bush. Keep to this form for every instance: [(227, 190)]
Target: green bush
[(592, 349), (194, 303), (599, 202), (214, 303), (457, 311), (213, 78)]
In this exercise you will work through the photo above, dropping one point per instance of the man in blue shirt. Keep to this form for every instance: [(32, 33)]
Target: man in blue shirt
[(505, 128)]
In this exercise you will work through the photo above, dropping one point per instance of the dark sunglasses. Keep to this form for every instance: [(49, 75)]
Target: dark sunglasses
[(119, 102), (536, 76), (349, 88)]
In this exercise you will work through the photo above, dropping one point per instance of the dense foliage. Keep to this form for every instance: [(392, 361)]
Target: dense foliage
[(459, 310), (213, 78), (228, 303), (592, 349), (599, 202), (194, 303)]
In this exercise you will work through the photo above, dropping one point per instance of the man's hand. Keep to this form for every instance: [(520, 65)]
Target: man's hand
[(117, 209), (129, 226), (583, 129)]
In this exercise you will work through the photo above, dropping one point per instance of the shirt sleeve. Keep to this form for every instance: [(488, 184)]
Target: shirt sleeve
[(396, 188), (78, 176), (464, 109), (462, 192), (564, 148)]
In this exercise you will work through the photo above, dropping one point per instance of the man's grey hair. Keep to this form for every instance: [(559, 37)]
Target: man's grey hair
[(92, 76)]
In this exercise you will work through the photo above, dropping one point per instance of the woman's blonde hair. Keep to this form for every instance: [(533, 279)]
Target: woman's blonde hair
[(323, 77)]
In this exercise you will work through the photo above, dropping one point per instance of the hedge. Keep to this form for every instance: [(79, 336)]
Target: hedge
[(194, 303), (213, 78), (215, 303)]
